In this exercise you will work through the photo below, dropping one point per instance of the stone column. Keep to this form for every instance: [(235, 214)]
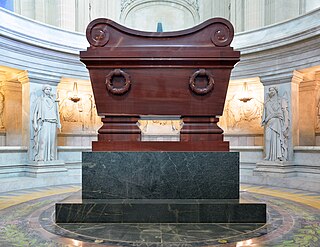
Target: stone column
[(237, 14), (113, 10), (308, 109), (281, 10), (67, 14), (98, 9), (295, 99), (288, 91), (82, 14), (26, 8), (254, 14), (53, 13), (221, 8), (40, 10), (32, 83)]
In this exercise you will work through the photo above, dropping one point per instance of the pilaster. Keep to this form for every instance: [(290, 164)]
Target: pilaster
[(40, 10), (288, 89), (296, 80), (288, 93)]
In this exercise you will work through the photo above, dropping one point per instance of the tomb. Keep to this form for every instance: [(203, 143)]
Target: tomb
[(135, 74)]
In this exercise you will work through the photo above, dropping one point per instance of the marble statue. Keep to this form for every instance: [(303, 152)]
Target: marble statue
[(276, 121), (45, 123)]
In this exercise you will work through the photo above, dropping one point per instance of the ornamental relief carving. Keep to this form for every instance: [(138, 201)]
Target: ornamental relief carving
[(110, 82), (160, 127), (80, 115), (201, 90), (242, 117)]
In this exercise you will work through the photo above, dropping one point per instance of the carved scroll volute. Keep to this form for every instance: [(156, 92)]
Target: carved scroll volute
[(118, 90), (201, 90), (97, 33), (222, 34)]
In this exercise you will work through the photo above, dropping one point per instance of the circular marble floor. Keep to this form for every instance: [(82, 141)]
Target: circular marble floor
[(293, 220)]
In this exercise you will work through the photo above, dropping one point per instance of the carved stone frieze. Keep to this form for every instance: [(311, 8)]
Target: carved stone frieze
[(160, 127), (78, 116), (242, 116)]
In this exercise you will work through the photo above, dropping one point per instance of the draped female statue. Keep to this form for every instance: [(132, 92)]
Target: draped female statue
[(276, 121), (45, 123)]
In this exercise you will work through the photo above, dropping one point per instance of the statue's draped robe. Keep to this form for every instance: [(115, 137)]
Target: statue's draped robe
[(45, 120), (274, 120)]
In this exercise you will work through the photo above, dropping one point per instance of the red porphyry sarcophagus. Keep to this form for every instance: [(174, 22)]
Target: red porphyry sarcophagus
[(184, 73)]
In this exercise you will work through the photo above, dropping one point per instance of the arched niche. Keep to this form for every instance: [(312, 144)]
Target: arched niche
[(174, 15)]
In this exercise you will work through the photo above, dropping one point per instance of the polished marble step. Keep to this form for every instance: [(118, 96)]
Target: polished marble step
[(160, 211)]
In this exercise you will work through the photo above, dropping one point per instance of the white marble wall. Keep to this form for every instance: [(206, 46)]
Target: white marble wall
[(244, 139), (74, 15), (272, 54), (317, 139), (74, 139)]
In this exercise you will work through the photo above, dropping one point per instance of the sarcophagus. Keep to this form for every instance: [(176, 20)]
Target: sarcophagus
[(183, 73)]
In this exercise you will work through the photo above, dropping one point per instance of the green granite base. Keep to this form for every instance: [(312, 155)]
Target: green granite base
[(160, 187), (160, 211), (160, 175)]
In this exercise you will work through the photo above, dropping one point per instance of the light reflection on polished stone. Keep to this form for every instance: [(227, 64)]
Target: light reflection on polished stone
[(155, 234), (289, 221)]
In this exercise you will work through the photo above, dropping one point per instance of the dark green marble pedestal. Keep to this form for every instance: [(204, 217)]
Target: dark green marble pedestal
[(159, 211), (160, 187)]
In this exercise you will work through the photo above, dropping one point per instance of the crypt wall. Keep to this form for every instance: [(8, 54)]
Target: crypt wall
[(285, 55), (74, 15)]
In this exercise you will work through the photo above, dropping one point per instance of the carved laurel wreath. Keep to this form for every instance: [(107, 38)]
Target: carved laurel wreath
[(202, 90), (121, 90)]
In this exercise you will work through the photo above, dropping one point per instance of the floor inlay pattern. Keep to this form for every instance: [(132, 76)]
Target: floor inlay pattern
[(26, 219)]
